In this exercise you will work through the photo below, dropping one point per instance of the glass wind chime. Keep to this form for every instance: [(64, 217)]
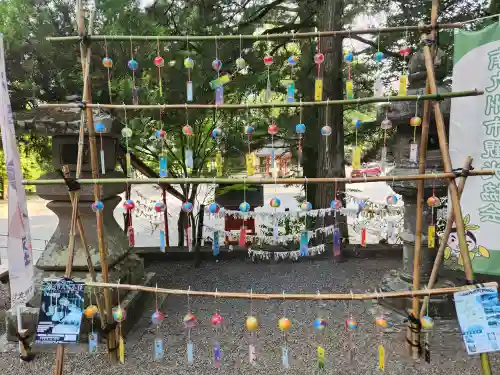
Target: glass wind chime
[(427, 324), (378, 86), (351, 325), (349, 84), (356, 150), (385, 125), (217, 66), (252, 325), (243, 229), (187, 130), (249, 130), (326, 130), (336, 206), (284, 324), (217, 321), (403, 79), (90, 312), (432, 202), (189, 322), (216, 136), (320, 324), (289, 83), (119, 316), (304, 235), (300, 129), (160, 220), (107, 62), (157, 319), (319, 58), (127, 134), (214, 209), (415, 122), (187, 208), (362, 208), (381, 326), (268, 61), (189, 65), (273, 130), (100, 128), (161, 136), (159, 63), (275, 201), (133, 65)]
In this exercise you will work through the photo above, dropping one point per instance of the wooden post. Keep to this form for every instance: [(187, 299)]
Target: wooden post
[(444, 239), (413, 335), (454, 196), (85, 53), (199, 236)]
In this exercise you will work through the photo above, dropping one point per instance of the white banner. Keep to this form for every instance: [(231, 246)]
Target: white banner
[(19, 249), (475, 131)]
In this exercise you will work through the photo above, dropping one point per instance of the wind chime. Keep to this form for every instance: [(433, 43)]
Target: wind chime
[(187, 208), (161, 136), (432, 202), (290, 84), (403, 80), (159, 63), (300, 129), (107, 62), (217, 66), (216, 136), (252, 325), (189, 64), (415, 122), (127, 134), (214, 209), (190, 322), (90, 312), (320, 324), (362, 207), (187, 130), (381, 326), (378, 86), (304, 235), (243, 229), (427, 324), (99, 129), (326, 130), (318, 83), (119, 316), (157, 319), (217, 322), (351, 325), (356, 150), (336, 205), (160, 212), (249, 130), (240, 61), (273, 129), (349, 58), (385, 125), (128, 206), (268, 61), (284, 324), (133, 65)]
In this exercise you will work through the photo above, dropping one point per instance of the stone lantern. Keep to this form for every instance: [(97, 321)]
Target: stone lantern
[(124, 266), (400, 114)]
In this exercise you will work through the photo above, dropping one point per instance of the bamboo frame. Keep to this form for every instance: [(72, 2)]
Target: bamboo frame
[(359, 101), (262, 37), (261, 181), (444, 239), (293, 296), (454, 195)]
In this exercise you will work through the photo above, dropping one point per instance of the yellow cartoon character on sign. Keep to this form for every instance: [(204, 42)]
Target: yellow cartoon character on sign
[(452, 250)]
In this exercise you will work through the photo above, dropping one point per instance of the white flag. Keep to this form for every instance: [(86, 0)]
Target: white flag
[(19, 249)]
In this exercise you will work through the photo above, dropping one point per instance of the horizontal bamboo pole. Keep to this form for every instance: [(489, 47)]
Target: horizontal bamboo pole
[(381, 99), (260, 181), (313, 34), (293, 296)]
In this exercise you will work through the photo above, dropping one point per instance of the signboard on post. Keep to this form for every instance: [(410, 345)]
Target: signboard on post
[(475, 131), (19, 249)]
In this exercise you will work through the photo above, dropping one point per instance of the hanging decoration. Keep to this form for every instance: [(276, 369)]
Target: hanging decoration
[(189, 322), (416, 122), (427, 324), (304, 235), (320, 325), (403, 79), (133, 65), (159, 63), (336, 205), (268, 61), (157, 319), (318, 83), (243, 229), (187, 130), (187, 207), (356, 150), (119, 316), (217, 66), (107, 62), (97, 206), (289, 83), (385, 125), (90, 312), (351, 325), (300, 129), (326, 130), (432, 202), (127, 134), (244, 207), (378, 86), (160, 210), (240, 61), (217, 322), (252, 325), (284, 324), (349, 85), (129, 205), (216, 136), (292, 255), (273, 130), (381, 325), (161, 136), (249, 159)]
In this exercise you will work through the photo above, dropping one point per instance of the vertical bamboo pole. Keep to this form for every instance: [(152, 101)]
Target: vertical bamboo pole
[(444, 240), (454, 196), (413, 338), (85, 53)]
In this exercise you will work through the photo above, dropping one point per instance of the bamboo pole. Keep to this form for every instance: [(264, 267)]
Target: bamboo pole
[(360, 101), (454, 196), (85, 53), (261, 181), (263, 37), (413, 330), (444, 239), (293, 296)]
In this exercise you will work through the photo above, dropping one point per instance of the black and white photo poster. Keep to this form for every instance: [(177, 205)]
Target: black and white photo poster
[(61, 312)]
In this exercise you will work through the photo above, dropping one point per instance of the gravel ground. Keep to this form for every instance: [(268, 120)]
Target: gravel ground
[(447, 351)]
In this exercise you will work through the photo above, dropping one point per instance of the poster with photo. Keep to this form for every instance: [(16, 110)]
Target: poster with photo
[(61, 312), (478, 312)]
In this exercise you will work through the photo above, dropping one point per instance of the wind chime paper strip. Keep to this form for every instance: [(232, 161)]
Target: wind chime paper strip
[(284, 357), (318, 90), (121, 350), (218, 164), (217, 354), (189, 91), (190, 352), (93, 342), (349, 89), (356, 157), (321, 357), (219, 95), (249, 164), (128, 165), (304, 244), (162, 241), (381, 357), (252, 356), (431, 237), (336, 242), (363, 237), (163, 165), (413, 152), (290, 92), (220, 81), (189, 159), (216, 244), (158, 349), (403, 83), (103, 164)]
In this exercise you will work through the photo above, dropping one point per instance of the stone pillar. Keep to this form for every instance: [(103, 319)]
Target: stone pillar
[(124, 266), (400, 114)]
